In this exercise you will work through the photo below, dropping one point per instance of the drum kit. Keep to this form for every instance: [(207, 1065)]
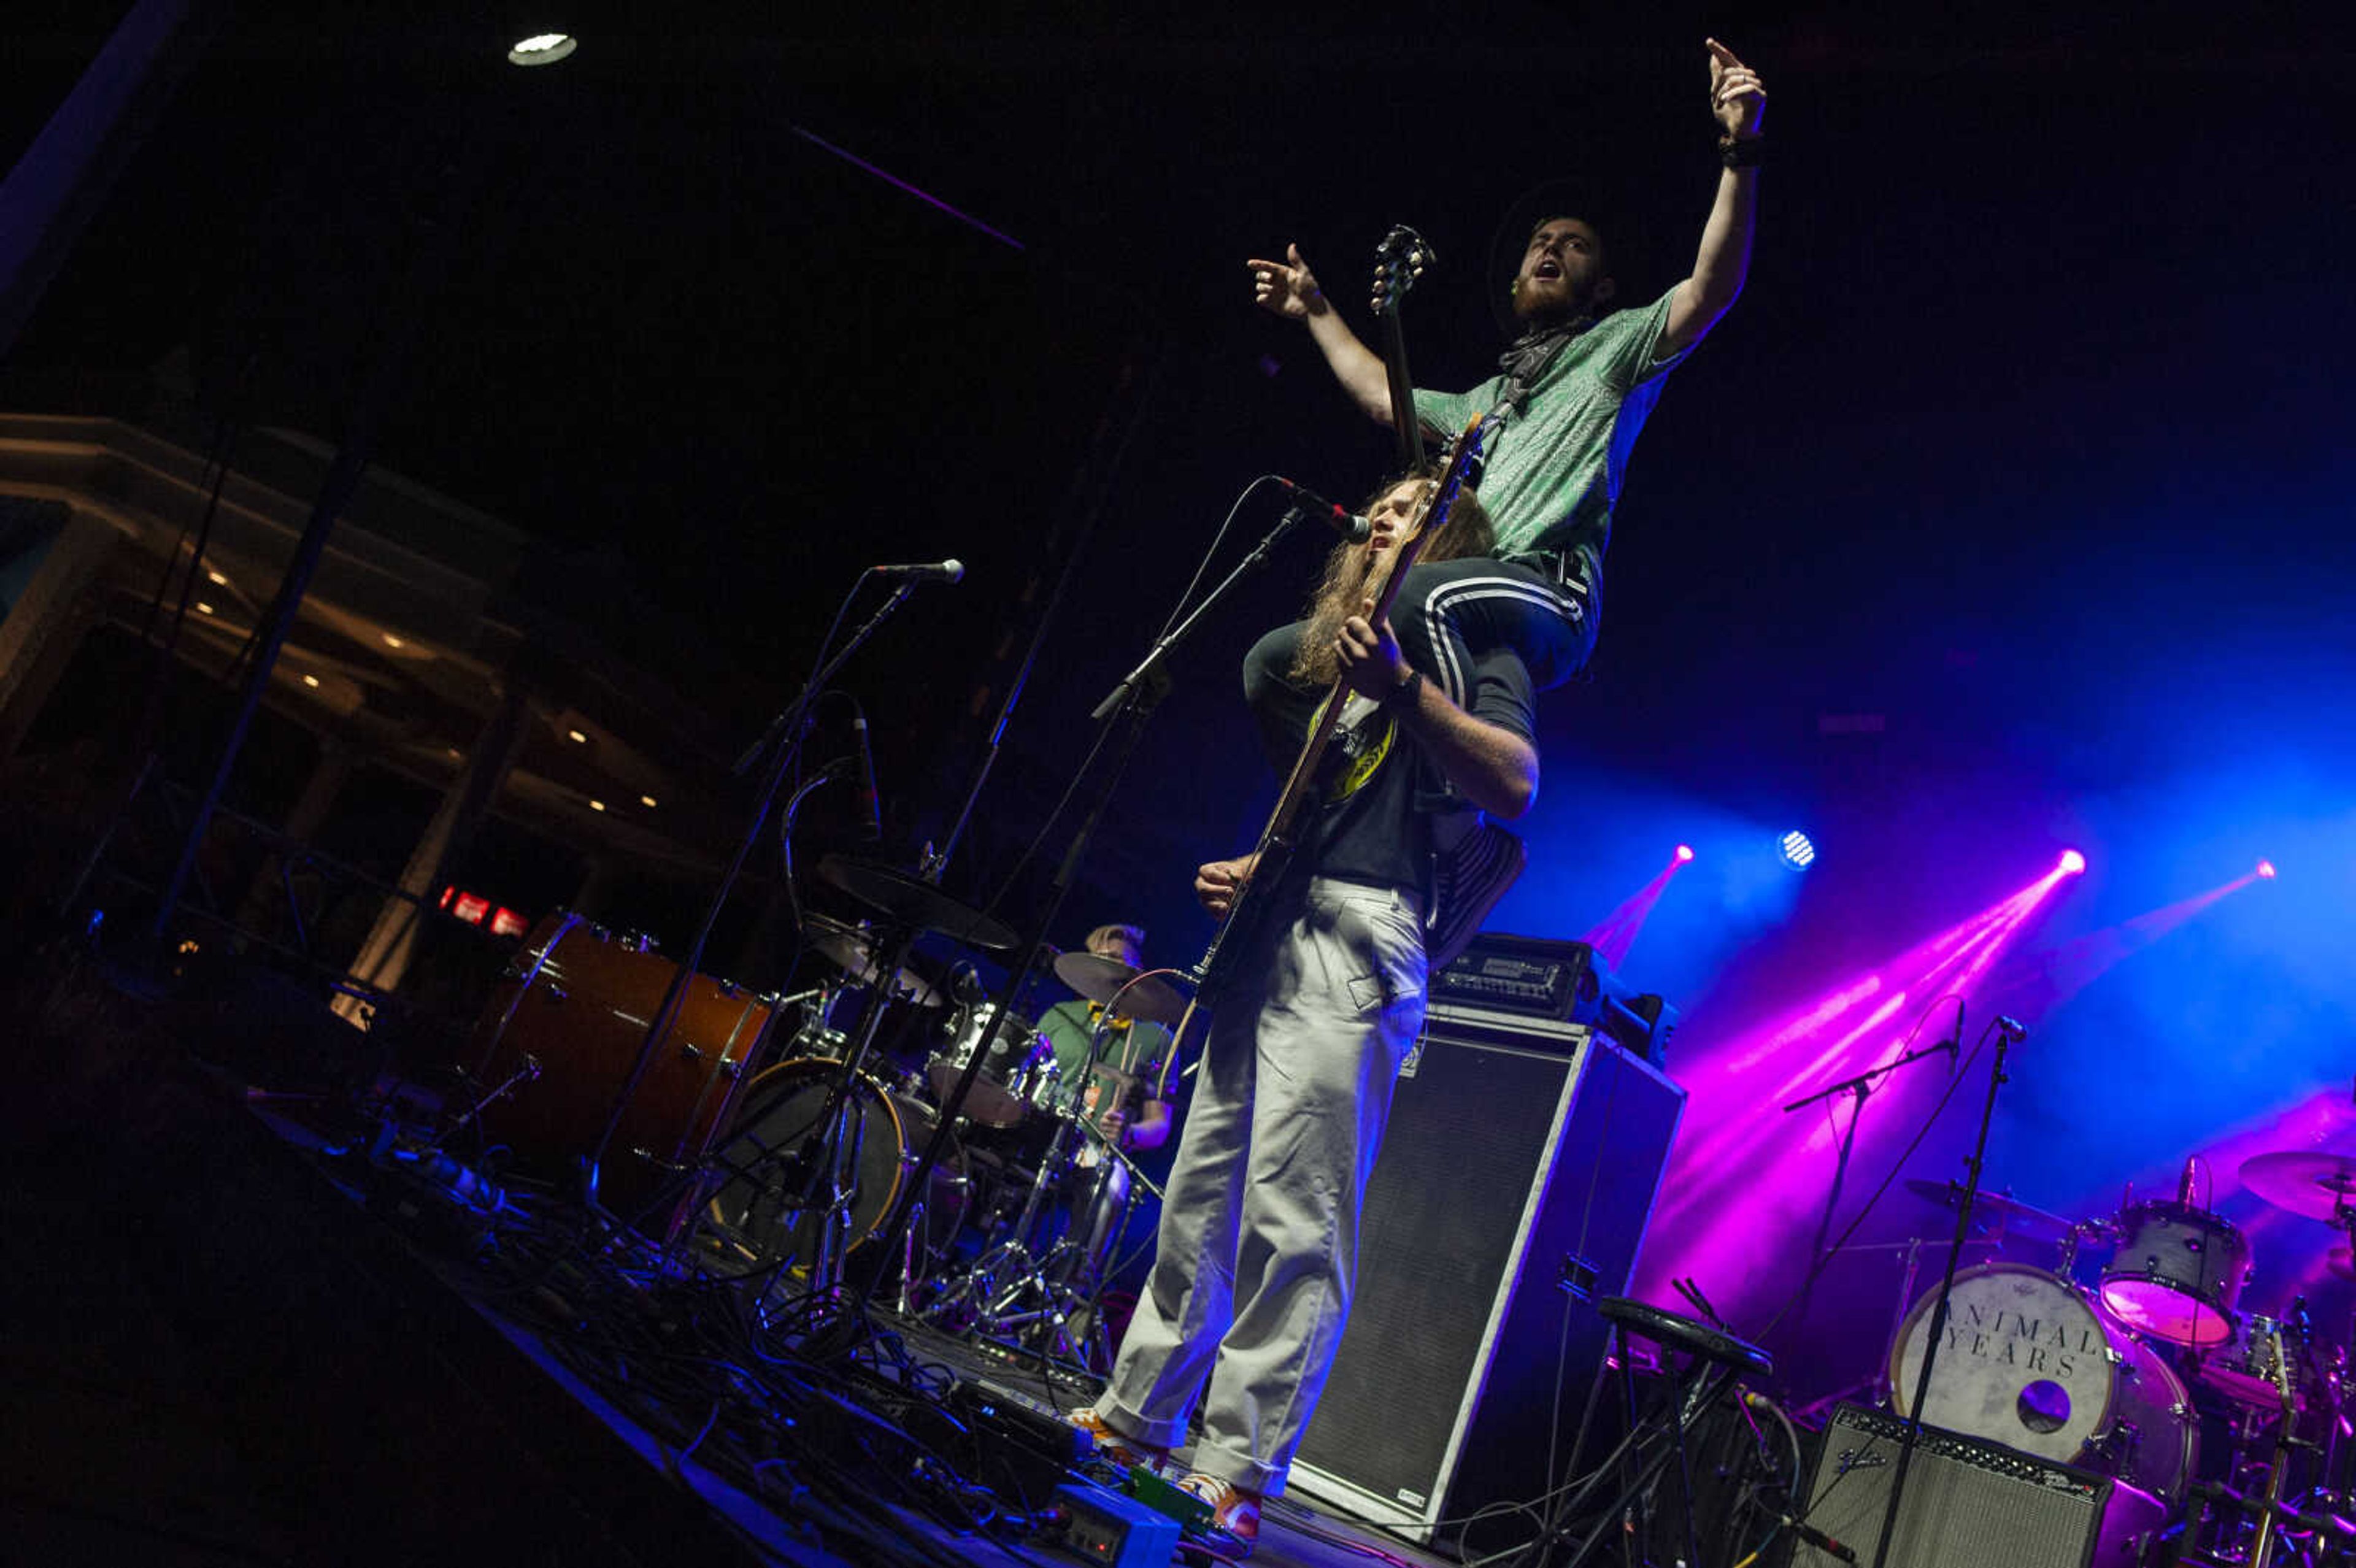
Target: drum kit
[(2130, 1355), (796, 1167)]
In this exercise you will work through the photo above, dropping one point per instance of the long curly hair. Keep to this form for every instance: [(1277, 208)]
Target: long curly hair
[(1343, 585)]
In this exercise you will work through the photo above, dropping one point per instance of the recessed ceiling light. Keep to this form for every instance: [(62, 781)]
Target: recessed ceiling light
[(543, 49), (576, 737), (203, 608), (648, 801), (217, 579), (310, 680), (393, 642), (597, 805)]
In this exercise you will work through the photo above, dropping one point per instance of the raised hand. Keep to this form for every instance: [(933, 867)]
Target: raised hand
[(1737, 100), (1288, 288)]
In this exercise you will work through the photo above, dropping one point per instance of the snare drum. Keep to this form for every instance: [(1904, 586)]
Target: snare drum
[(2178, 1273), (561, 1032), (1014, 1077), (2032, 1363)]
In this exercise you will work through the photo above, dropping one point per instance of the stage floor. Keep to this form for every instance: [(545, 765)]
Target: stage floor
[(230, 1338)]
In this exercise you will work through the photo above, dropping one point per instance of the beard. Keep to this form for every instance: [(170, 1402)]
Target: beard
[(1566, 308), (1349, 570)]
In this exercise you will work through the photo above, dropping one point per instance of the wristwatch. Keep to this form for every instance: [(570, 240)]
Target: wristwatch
[(1403, 694)]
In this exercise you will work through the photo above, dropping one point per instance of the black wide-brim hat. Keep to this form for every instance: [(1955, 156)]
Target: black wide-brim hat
[(1614, 216)]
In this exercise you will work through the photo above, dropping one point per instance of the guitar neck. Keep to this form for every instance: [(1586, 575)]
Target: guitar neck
[(1275, 839), (1404, 424)]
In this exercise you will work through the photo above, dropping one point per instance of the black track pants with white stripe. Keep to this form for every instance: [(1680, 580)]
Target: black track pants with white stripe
[(1473, 604)]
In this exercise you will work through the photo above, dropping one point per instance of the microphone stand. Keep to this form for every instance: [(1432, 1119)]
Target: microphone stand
[(784, 733), (1862, 1086), (1149, 668), (2004, 1042), (1133, 702)]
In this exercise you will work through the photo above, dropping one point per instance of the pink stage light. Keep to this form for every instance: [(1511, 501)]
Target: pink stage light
[(2073, 862), (1615, 933), (2266, 869), (1685, 853), (1747, 1184)]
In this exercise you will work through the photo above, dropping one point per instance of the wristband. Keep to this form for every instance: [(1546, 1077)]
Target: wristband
[(1741, 151), (1405, 692)]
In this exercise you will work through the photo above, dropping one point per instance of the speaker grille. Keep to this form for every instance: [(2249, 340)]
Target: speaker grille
[(1968, 1503), (1444, 1209), (1506, 1152)]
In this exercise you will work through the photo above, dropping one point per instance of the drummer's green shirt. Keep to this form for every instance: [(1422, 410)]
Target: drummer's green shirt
[(1069, 1025)]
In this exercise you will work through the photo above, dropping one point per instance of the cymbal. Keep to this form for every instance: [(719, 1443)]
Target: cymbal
[(1099, 979), (912, 901), (853, 947), (1993, 1211), (2305, 1181)]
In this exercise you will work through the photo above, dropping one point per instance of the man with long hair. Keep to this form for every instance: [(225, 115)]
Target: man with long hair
[(1257, 1255), (1572, 390)]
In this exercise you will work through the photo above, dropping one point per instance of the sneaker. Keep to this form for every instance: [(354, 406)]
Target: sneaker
[(1235, 1511), (1126, 1452)]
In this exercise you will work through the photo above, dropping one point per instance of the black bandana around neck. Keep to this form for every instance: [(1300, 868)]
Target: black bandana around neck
[(1527, 357)]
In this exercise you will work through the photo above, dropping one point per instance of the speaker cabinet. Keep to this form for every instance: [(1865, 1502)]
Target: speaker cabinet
[(1968, 1503), (1520, 1154)]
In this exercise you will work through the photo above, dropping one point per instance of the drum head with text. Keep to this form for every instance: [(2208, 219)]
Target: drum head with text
[(2027, 1362)]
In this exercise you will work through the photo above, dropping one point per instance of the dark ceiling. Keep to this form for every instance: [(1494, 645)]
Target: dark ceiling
[(2027, 435)]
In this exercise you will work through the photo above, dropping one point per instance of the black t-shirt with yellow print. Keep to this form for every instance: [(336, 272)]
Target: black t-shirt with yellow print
[(1371, 815)]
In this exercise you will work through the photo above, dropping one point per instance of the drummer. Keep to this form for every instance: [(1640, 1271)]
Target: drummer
[(1104, 1078)]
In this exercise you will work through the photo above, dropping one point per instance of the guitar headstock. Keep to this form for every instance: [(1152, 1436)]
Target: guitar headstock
[(1399, 261)]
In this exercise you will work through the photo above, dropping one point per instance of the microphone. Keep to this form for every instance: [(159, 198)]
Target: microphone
[(1310, 504), (2014, 1029), (1818, 1539), (869, 802), (949, 571), (2189, 1181)]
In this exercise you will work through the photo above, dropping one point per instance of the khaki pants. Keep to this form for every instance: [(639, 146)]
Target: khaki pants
[(1258, 1250)]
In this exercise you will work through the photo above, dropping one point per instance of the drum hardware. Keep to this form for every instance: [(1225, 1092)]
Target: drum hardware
[(853, 949), (528, 1070), (1007, 1271), (1054, 1296)]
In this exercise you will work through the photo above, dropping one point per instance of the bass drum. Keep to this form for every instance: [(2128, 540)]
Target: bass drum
[(777, 1153), (2032, 1363), (557, 1040)]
